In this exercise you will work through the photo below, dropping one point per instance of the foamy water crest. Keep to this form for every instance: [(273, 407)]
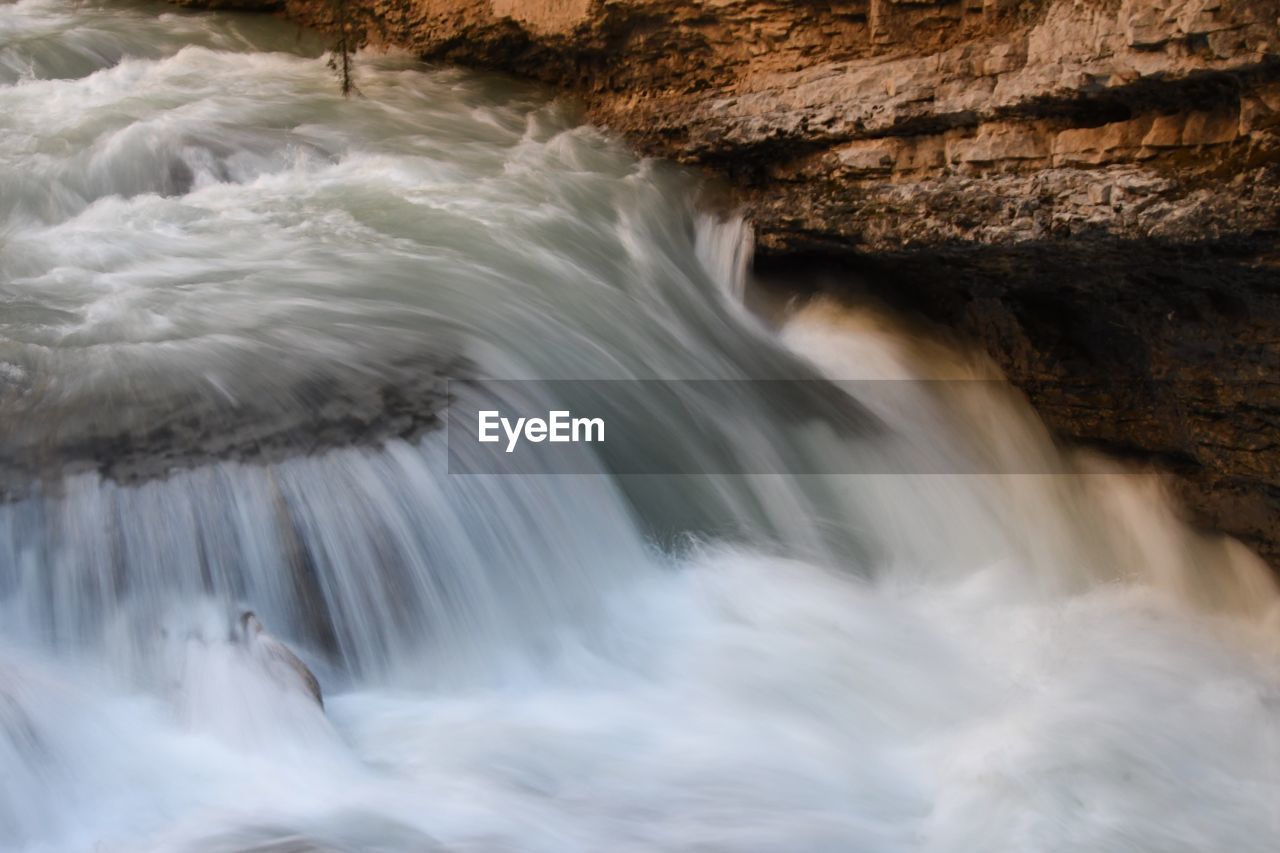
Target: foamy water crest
[(228, 297)]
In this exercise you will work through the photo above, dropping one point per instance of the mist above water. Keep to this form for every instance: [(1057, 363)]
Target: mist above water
[(216, 269)]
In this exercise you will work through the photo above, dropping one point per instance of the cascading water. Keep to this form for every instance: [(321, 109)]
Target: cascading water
[(228, 298)]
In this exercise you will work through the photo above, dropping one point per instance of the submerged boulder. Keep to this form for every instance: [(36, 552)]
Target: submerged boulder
[(276, 657)]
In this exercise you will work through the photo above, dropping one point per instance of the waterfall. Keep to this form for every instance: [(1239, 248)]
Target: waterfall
[(724, 246), (860, 600)]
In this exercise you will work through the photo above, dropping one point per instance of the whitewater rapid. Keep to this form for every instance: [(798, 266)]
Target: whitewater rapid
[(229, 298)]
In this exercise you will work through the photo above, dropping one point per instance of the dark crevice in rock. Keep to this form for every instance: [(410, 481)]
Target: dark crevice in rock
[(1161, 353)]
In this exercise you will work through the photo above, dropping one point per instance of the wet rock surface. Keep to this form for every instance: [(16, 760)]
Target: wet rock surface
[(147, 437)]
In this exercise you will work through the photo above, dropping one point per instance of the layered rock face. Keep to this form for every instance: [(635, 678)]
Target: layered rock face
[(1088, 188), (1082, 116)]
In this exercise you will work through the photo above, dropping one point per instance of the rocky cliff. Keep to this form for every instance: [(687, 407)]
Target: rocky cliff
[(882, 124), (1089, 188)]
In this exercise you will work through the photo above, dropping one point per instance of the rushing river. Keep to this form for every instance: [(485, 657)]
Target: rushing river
[(229, 301)]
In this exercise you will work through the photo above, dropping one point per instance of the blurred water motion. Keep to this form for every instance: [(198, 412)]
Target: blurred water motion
[(228, 300)]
